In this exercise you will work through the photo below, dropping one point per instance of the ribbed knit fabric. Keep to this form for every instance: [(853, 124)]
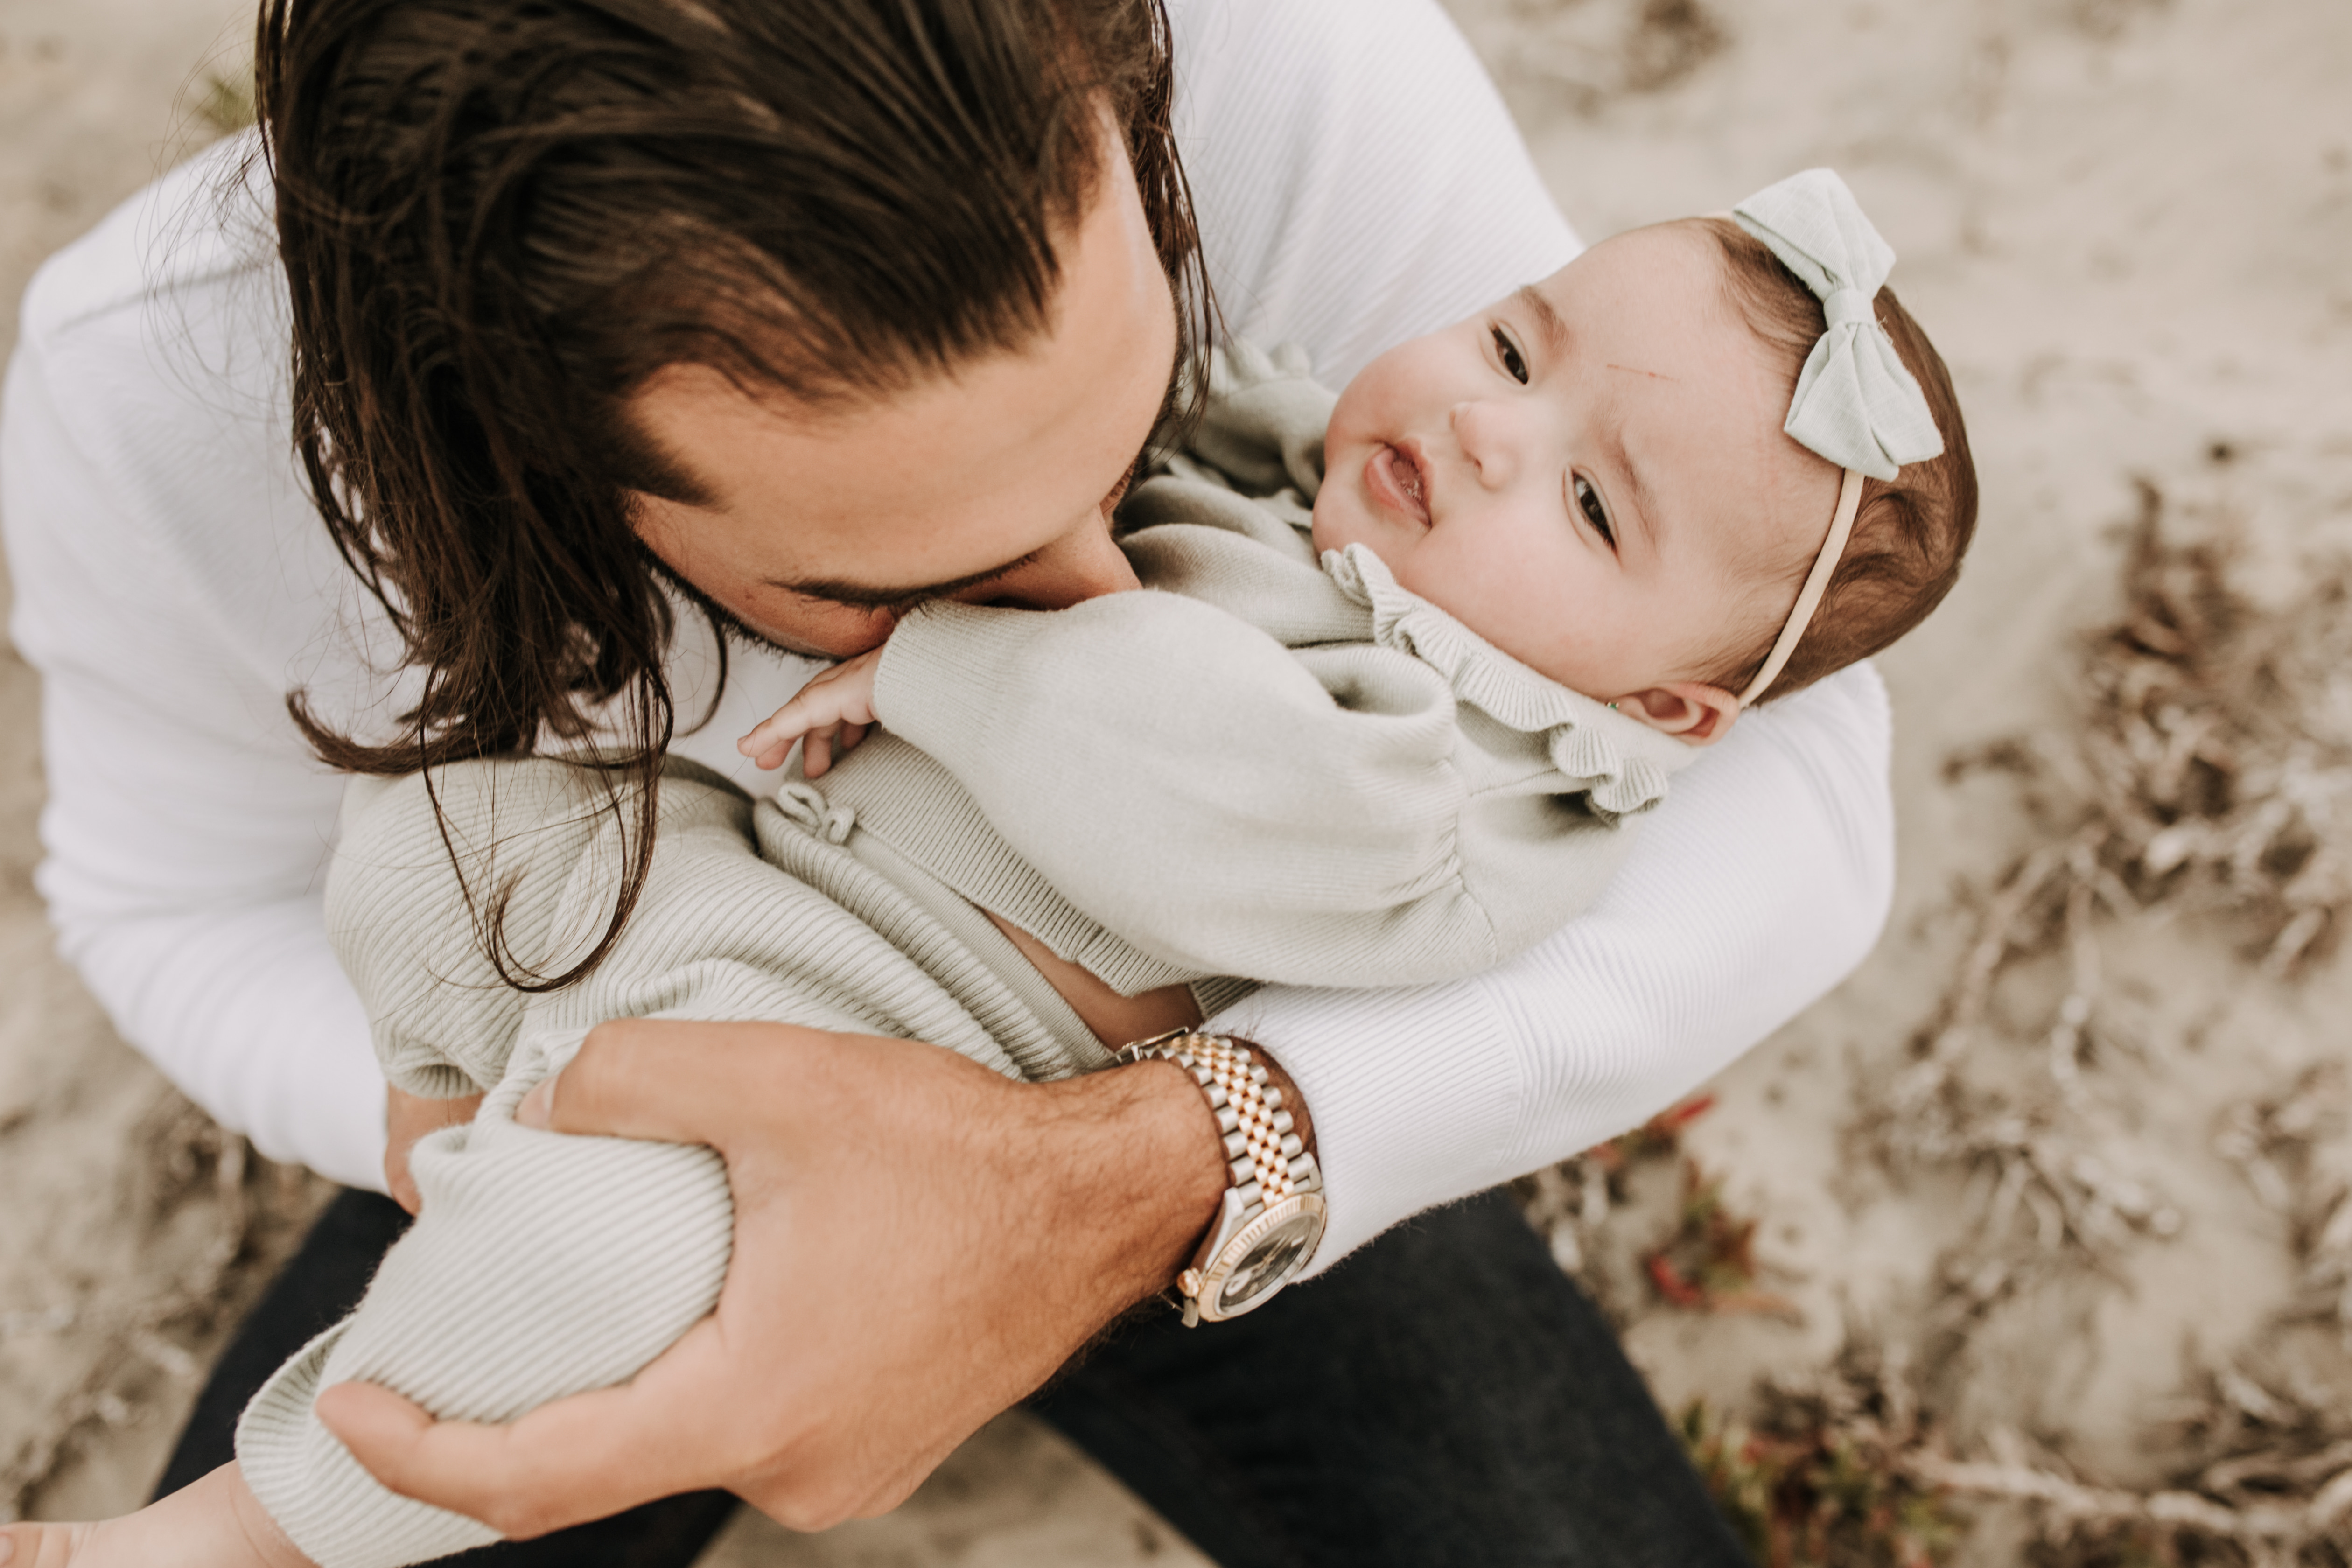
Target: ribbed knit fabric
[(1149, 782), (1358, 180), (1259, 765), (542, 1265)]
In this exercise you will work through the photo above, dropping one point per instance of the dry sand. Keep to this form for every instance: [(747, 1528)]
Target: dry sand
[(2124, 221)]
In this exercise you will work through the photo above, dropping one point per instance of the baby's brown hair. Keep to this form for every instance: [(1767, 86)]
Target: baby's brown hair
[(1912, 530)]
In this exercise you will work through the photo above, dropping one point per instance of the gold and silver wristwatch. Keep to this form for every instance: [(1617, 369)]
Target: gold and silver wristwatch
[(1273, 1212)]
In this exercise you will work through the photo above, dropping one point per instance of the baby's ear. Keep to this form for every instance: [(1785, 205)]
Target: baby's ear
[(1694, 714)]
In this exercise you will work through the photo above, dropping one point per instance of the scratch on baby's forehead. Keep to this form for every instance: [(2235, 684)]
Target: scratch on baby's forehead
[(1637, 370)]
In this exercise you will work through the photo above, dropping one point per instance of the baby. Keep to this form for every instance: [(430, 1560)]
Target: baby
[(1551, 551)]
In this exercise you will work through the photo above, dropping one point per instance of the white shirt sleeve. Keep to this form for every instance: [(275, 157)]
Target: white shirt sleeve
[(173, 584), (186, 827), (1358, 182), (1755, 886), (1357, 178), (1402, 198)]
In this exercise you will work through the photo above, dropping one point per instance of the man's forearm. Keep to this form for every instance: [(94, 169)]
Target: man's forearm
[(1145, 1174), (948, 1236)]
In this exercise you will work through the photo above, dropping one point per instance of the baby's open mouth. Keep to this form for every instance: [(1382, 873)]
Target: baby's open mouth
[(1397, 479)]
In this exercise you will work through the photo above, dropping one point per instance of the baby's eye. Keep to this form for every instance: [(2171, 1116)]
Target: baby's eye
[(1514, 365), (1587, 501)]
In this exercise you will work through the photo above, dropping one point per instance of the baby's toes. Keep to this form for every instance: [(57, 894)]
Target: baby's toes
[(41, 1545)]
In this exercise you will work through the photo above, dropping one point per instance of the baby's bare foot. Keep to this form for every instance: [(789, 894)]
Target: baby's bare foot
[(45, 1545), (214, 1522)]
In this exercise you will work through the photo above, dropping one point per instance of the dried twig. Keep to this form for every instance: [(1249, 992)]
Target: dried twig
[(2205, 777)]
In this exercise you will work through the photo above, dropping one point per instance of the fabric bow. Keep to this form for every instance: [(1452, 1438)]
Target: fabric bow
[(1857, 405)]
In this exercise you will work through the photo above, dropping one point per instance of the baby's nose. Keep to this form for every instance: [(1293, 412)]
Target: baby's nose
[(1488, 436)]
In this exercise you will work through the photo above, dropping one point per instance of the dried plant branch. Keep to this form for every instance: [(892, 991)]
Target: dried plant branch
[(2071, 1506), (2204, 778)]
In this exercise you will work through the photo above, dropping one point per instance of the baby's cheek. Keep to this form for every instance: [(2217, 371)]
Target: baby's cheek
[(1330, 531), (1343, 517)]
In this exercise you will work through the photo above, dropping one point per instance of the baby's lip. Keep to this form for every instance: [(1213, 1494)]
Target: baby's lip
[(1398, 478)]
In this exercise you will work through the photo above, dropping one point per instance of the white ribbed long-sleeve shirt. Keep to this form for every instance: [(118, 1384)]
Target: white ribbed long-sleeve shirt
[(1358, 182)]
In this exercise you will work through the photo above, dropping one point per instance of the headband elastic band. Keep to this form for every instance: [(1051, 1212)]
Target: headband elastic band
[(1816, 583)]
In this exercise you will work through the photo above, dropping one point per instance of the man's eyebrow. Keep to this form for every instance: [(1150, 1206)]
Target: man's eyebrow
[(1548, 322), (868, 595)]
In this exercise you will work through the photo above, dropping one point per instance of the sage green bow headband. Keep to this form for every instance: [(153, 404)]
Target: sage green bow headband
[(1857, 405)]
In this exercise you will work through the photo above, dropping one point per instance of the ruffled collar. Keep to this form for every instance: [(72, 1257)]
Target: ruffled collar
[(1621, 764)]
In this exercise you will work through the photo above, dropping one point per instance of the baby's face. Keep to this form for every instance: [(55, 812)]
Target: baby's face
[(1590, 474)]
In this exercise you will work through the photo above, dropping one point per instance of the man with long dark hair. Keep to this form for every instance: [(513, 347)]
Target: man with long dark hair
[(636, 353)]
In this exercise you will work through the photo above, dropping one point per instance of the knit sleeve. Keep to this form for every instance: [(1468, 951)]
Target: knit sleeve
[(1314, 816), (429, 865), (541, 1266), (1756, 889)]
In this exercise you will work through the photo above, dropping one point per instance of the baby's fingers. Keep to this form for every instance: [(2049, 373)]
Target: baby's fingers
[(837, 705), (816, 752), (772, 736), (826, 743)]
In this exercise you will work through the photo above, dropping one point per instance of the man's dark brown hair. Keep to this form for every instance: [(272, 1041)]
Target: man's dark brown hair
[(1912, 530), (499, 217)]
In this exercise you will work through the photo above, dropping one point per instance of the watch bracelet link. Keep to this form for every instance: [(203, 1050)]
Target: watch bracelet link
[(1261, 1152), (1267, 1161)]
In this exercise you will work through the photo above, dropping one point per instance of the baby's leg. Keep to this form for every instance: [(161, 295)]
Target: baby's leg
[(213, 1524), (541, 1266)]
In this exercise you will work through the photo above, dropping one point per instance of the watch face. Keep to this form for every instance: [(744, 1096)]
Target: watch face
[(1273, 1259)]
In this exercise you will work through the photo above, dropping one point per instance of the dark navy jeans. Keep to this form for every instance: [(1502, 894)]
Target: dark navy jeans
[(1443, 1397)]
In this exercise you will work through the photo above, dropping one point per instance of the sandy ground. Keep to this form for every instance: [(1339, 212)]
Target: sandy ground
[(2125, 222)]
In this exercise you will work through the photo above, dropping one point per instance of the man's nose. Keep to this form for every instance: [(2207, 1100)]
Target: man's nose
[(1083, 564), (1489, 438)]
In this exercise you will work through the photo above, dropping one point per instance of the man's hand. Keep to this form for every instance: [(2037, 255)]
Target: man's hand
[(919, 1244), (407, 1118), (832, 714)]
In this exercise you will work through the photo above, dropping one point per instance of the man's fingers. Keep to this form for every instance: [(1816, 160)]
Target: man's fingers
[(588, 1457), (408, 1117), (382, 1430), (666, 1079)]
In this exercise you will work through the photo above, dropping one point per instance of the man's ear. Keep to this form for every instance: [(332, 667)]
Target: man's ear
[(1694, 714)]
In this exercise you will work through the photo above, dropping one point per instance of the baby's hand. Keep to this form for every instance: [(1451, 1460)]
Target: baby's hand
[(832, 713)]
